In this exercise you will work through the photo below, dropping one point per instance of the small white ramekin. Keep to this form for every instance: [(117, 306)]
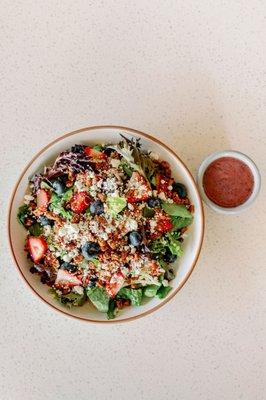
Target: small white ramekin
[(240, 156)]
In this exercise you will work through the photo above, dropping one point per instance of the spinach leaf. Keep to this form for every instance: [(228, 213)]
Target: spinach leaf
[(98, 147), (176, 210), (134, 295), (36, 229), (148, 212), (112, 310), (150, 290), (174, 245), (22, 213), (126, 168), (163, 291), (99, 298)]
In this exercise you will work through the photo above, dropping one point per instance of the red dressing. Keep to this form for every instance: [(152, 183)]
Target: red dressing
[(228, 182)]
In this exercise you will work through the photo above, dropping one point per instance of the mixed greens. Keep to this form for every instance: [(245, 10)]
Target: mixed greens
[(105, 223)]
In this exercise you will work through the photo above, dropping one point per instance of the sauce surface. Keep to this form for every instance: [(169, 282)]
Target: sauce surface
[(228, 182)]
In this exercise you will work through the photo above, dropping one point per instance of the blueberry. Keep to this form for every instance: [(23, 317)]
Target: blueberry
[(58, 187), (135, 238), (69, 267), (96, 208), (154, 202), (43, 220), (90, 249), (77, 148), (92, 282), (33, 270), (169, 257), (180, 189), (45, 277)]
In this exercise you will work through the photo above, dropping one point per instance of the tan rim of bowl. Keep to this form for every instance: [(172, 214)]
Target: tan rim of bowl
[(181, 284)]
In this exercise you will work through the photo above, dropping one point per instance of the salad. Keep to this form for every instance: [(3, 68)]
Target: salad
[(104, 224)]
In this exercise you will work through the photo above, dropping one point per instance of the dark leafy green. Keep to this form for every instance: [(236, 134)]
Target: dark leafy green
[(23, 212), (134, 295), (111, 313), (99, 298), (163, 291), (36, 229), (148, 212), (57, 204)]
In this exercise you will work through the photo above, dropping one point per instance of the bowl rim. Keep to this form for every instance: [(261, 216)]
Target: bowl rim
[(141, 134)]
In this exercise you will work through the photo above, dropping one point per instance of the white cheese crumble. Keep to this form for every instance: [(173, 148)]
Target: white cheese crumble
[(47, 230), (170, 187), (69, 232), (115, 163), (153, 225), (131, 225), (28, 198), (130, 206), (154, 156), (110, 185), (78, 290), (162, 196)]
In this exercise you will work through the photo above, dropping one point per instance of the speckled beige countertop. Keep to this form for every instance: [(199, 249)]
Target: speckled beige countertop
[(194, 75)]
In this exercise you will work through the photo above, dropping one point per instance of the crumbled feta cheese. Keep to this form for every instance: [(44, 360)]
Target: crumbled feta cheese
[(79, 185), (170, 187), (162, 196), (103, 235), (165, 283), (78, 290), (110, 185), (169, 200), (115, 163), (47, 230), (131, 225), (28, 198), (153, 225), (154, 156), (94, 227), (130, 206), (69, 232), (154, 192)]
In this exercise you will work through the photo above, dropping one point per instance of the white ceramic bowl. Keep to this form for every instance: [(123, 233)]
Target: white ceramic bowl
[(245, 159), (105, 134)]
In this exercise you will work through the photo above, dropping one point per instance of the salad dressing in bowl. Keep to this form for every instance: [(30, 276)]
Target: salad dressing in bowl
[(229, 181)]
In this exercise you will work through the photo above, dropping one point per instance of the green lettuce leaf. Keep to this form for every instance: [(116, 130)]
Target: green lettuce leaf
[(176, 210), (134, 295), (99, 298), (150, 290), (180, 222), (116, 204), (57, 204), (163, 291)]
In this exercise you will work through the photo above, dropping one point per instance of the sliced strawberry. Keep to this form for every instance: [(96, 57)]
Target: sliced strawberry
[(37, 247), (80, 202), (65, 277), (163, 224), (138, 188), (95, 154), (115, 284), (43, 197)]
